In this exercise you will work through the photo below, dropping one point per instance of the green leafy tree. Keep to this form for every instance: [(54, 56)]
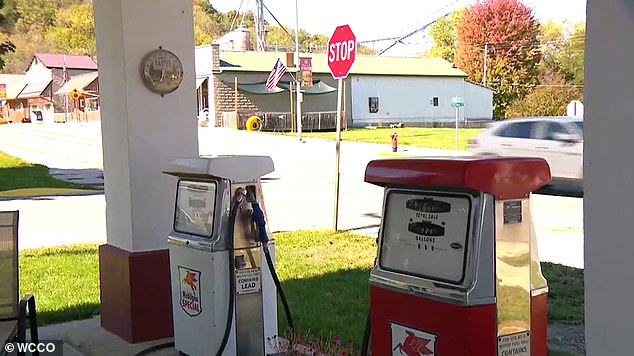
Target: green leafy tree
[(445, 34), (551, 38), (571, 56), (276, 36), (73, 30), (6, 22), (548, 99), (208, 23), (207, 7), (34, 15), (510, 29), (365, 50)]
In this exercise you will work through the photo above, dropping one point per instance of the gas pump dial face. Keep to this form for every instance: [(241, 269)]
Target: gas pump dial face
[(195, 203), (425, 234)]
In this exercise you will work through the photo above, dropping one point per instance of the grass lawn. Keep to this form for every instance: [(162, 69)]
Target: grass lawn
[(17, 174), (566, 294), (64, 281), (444, 138), (324, 275)]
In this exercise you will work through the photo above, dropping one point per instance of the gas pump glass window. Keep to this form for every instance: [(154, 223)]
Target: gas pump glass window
[(195, 202), (425, 234)]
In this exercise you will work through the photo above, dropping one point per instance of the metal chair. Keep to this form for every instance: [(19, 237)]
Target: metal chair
[(13, 313)]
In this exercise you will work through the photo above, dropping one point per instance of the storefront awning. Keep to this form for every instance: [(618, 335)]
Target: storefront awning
[(260, 88), (257, 88), (77, 82), (317, 88), (33, 90)]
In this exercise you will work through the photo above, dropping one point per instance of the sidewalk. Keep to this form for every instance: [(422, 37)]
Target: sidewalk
[(87, 337)]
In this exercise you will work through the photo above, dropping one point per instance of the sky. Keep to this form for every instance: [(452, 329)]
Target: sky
[(376, 19)]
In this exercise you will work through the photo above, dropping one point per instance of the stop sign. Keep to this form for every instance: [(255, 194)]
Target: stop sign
[(342, 49)]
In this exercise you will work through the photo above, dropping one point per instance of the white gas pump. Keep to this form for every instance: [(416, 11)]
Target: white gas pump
[(223, 296)]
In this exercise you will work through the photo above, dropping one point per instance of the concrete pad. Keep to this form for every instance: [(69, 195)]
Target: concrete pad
[(87, 337), (59, 220)]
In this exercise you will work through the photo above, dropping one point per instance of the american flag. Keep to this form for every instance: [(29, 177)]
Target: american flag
[(276, 75), (65, 76)]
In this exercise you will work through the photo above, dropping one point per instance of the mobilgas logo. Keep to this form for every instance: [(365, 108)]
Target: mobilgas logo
[(410, 341), (190, 290)]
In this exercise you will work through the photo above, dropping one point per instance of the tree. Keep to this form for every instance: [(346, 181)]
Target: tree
[(510, 30), (208, 24), (571, 57), (445, 34), (551, 37), (207, 7), (34, 15), (277, 37), (73, 31), (548, 99), (6, 21)]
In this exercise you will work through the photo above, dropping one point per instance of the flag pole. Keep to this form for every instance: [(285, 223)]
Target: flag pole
[(298, 108), (65, 79)]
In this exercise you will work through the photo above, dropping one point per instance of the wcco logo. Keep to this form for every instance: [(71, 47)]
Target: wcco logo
[(43, 348)]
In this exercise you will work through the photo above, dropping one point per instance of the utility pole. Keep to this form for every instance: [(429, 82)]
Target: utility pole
[(298, 93), (259, 26), (484, 75)]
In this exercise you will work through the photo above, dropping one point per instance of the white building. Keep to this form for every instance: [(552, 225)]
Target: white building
[(411, 90)]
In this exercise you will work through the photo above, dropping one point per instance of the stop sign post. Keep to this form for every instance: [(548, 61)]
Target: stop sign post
[(342, 51)]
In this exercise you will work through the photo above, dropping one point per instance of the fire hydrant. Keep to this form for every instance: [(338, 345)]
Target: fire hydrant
[(394, 137)]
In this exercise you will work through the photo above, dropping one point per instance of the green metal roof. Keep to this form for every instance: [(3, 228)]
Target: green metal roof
[(364, 65)]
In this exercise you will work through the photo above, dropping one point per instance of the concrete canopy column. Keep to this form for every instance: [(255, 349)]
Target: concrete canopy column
[(608, 172), (141, 132)]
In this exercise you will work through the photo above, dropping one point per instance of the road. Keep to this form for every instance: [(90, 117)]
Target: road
[(299, 194)]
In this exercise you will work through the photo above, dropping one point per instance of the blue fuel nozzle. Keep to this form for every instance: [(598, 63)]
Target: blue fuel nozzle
[(258, 215)]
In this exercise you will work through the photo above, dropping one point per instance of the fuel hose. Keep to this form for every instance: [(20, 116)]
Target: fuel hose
[(232, 280), (258, 215), (365, 345)]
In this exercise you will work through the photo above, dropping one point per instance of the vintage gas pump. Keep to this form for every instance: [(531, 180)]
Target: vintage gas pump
[(458, 271), (223, 295)]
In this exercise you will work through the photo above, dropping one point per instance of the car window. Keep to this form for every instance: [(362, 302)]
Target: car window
[(554, 128), (579, 125), (517, 130)]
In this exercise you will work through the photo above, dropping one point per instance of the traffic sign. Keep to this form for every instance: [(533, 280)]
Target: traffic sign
[(342, 50), (75, 94), (575, 108), (457, 102)]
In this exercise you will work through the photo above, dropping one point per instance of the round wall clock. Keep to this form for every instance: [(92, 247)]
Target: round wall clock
[(162, 71)]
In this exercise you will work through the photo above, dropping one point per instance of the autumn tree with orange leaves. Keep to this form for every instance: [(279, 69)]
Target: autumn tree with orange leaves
[(510, 31)]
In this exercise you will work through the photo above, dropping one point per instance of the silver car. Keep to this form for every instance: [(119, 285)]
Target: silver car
[(559, 140)]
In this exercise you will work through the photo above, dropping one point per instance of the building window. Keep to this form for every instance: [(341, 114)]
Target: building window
[(373, 104), (434, 101)]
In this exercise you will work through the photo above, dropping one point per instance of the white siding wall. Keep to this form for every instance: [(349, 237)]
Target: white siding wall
[(38, 73), (410, 99), (478, 102), (203, 60)]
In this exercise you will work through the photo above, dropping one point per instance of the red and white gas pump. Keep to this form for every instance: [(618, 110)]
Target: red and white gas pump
[(458, 271)]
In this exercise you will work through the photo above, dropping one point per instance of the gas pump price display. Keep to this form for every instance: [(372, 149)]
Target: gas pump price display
[(425, 234), (195, 203)]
